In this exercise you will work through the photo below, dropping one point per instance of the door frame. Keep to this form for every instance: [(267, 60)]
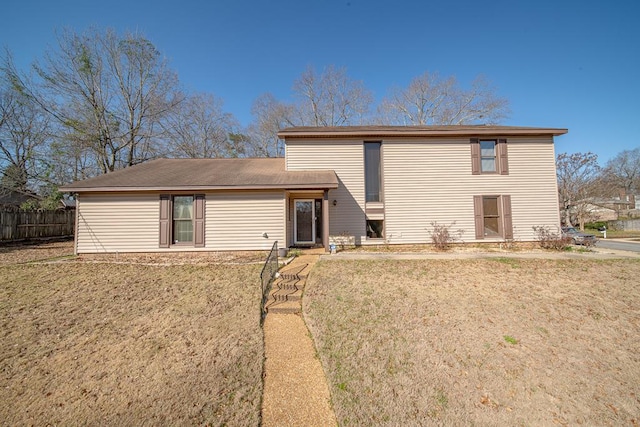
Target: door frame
[(313, 222)]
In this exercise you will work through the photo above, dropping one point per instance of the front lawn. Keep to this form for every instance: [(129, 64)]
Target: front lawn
[(126, 344), (498, 341)]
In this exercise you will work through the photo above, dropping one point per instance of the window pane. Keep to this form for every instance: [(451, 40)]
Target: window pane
[(372, 171), (182, 231), (487, 148), (183, 207), (491, 226), (490, 206), (375, 228), (488, 165)]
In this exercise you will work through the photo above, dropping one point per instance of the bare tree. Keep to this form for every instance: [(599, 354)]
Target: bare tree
[(269, 117), (200, 128), (24, 134), (109, 95), (577, 177), (330, 99), (431, 100), (623, 171)]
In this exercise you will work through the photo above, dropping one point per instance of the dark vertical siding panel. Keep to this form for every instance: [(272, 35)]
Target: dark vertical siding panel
[(475, 156), (503, 157), (165, 221), (478, 216), (506, 212), (198, 226)]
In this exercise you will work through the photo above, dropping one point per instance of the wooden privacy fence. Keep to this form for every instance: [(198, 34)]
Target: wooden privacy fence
[(20, 225)]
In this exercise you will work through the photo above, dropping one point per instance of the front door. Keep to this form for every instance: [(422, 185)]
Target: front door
[(305, 222)]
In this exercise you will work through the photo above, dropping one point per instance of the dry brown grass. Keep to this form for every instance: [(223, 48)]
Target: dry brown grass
[(118, 344), (22, 252), (479, 342)]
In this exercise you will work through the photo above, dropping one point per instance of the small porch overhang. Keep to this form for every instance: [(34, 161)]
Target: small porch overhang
[(309, 197)]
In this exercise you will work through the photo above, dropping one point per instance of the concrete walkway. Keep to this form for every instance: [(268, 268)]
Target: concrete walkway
[(592, 253), (295, 388)]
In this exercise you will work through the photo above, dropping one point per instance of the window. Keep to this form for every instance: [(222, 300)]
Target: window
[(489, 156), (493, 216), (375, 228), (181, 220), (372, 171)]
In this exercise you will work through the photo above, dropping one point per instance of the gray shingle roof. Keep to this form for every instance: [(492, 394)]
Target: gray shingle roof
[(207, 174)]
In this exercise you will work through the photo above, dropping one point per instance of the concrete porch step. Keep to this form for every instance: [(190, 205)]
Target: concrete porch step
[(286, 295), (283, 307), (290, 286)]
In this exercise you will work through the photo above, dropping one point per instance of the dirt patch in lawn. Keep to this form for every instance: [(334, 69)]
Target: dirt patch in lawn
[(499, 341), (90, 343)]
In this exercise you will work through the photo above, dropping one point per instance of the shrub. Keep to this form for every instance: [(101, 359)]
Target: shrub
[(551, 240), (344, 240), (442, 236), (597, 225)]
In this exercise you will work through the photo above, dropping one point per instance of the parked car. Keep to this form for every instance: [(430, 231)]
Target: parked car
[(578, 237)]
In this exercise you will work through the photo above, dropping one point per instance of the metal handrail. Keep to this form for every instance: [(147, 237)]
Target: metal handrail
[(267, 276)]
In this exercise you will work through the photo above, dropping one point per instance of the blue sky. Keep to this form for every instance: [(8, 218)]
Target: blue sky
[(571, 64)]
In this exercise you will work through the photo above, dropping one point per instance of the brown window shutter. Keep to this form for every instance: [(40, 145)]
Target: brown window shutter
[(502, 153), (165, 221), (198, 223), (478, 216), (475, 156), (506, 213)]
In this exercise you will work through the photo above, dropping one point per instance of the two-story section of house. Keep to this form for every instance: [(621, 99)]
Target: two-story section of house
[(395, 183), (365, 184)]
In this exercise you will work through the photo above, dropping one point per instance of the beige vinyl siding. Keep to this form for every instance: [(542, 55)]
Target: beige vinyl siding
[(117, 223), (346, 158), (432, 182), (130, 222), (237, 220)]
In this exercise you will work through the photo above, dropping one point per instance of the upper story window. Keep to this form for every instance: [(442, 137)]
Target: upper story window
[(372, 171), (489, 156)]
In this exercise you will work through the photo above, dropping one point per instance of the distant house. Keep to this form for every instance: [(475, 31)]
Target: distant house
[(13, 200), (370, 184)]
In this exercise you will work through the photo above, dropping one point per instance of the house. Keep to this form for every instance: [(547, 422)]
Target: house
[(370, 184), (14, 200)]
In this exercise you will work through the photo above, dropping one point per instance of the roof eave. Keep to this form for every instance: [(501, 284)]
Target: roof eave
[(194, 188), (412, 133)]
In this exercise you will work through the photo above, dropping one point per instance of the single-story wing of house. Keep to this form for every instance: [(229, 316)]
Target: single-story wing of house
[(366, 184)]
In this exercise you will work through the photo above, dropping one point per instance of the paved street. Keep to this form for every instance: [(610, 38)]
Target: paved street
[(618, 244)]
